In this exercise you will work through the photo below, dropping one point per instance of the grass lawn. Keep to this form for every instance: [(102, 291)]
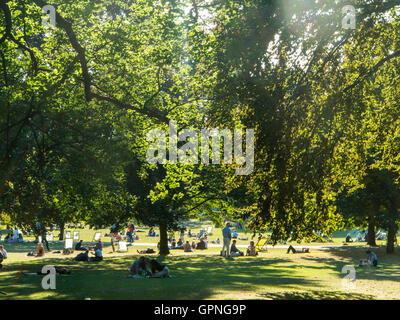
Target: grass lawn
[(206, 275)]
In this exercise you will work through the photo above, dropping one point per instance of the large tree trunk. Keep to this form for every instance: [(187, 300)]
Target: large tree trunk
[(62, 228), (371, 231), (391, 238), (163, 238)]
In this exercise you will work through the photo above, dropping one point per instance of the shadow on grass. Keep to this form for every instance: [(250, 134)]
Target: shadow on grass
[(32, 246), (388, 264), (317, 295), (196, 277)]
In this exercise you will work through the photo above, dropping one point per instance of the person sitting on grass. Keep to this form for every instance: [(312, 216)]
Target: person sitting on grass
[(194, 245), (156, 269), (348, 238), (235, 252), (138, 268), (180, 242), (3, 255), (9, 238), (235, 235), (251, 250), (40, 250), (372, 259), (303, 250), (98, 255), (187, 247), (202, 244), (98, 245), (83, 256), (175, 245), (152, 233), (79, 247), (20, 238)]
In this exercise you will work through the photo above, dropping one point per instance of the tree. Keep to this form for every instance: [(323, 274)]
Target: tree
[(375, 201), (282, 74), (167, 195)]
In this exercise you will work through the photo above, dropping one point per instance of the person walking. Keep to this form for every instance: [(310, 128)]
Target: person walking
[(227, 235)]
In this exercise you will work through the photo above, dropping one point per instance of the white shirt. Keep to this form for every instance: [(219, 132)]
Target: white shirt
[(4, 253)]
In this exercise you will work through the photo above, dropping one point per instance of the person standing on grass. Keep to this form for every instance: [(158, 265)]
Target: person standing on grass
[(227, 235), (131, 231), (182, 235)]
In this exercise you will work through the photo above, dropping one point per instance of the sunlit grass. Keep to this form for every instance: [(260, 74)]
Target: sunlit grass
[(205, 275)]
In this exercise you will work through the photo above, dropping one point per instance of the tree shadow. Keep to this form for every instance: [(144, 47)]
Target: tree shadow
[(32, 246), (388, 264), (197, 277), (317, 295)]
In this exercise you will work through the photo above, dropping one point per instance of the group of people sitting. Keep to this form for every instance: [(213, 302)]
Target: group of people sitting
[(84, 256), (235, 252), (39, 251), (363, 237), (10, 238), (145, 267), (187, 246)]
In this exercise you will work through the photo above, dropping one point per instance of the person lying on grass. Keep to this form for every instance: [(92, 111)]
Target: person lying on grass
[(303, 250), (59, 270), (235, 252), (147, 251), (137, 268), (372, 259), (251, 249), (156, 269), (148, 267), (3, 255)]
